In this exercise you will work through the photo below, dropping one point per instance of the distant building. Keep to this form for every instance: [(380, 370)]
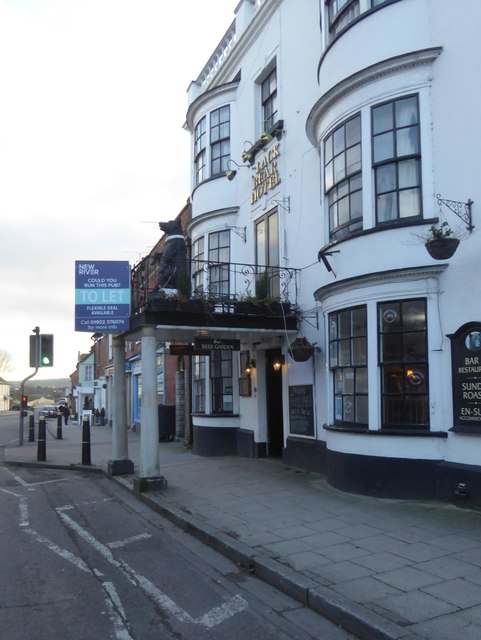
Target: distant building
[(5, 397)]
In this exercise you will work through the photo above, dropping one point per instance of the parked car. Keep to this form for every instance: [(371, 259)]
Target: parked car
[(48, 411)]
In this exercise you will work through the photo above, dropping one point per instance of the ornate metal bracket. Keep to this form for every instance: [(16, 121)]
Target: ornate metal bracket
[(284, 203), (461, 209), (240, 231)]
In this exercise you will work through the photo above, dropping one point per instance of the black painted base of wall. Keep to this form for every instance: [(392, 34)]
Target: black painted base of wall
[(400, 478), (222, 441)]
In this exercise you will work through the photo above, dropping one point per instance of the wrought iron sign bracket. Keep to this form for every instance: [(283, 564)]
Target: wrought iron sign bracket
[(461, 209), (240, 231), (314, 317), (284, 203)]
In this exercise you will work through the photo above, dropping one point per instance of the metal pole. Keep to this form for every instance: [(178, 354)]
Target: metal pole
[(36, 331), (31, 428), (42, 442), (59, 426), (86, 440)]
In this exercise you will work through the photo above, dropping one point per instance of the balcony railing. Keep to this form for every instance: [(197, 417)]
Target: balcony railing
[(220, 284)]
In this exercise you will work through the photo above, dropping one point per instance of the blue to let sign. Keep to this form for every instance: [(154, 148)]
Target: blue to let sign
[(102, 296)]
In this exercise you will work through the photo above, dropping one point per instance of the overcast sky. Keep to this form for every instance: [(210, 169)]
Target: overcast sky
[(92, 103)]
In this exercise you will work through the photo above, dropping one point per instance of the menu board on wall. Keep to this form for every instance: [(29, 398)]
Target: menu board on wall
[(466, 364), (301, 410)]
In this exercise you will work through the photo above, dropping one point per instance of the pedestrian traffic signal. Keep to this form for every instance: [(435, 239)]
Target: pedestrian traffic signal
[(46, 350)]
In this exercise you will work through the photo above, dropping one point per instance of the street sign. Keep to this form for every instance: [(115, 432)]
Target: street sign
[(102, 296)]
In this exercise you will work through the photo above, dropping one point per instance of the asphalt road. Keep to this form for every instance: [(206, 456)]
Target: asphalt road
[(82, 559)]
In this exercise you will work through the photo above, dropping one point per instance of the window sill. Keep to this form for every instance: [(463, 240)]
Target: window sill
[(215, 415), (416, 433)]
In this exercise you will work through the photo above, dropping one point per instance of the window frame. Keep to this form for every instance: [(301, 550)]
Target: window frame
[(414, 371), (218, 266), (199, 368), (396, 161), (336, 192), (271, 253), (340, 16), (353, 367), (221, 369), (219, 139), (198, 265), (200, 151), (269, 99)]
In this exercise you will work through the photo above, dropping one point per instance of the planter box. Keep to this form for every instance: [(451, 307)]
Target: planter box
[(443, 248)]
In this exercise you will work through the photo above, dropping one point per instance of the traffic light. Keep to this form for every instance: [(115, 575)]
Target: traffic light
[(24, 402), (46, 350)]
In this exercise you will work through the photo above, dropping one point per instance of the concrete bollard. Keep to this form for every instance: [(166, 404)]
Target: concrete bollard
[(86, 441), (42, 441), (31, 428), (59, 426)]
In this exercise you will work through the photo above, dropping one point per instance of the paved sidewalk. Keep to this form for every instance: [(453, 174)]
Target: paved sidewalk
[(380, 568)]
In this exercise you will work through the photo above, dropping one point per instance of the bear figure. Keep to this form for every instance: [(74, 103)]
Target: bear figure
[(173, 260)]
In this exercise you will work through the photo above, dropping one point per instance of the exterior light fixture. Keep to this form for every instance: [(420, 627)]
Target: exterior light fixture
[(230, 174), (277, 364), (265, 137), (251, 365)]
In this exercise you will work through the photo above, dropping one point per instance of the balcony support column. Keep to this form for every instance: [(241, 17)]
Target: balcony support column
[(120, 463), (149, 478)]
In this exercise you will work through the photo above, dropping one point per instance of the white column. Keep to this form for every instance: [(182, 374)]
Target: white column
[(120, 462), (149, 424)]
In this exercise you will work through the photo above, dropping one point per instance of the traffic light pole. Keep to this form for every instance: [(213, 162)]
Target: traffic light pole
[(22, 385)]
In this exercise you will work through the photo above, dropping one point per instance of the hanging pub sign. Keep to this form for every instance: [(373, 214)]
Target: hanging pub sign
[(216, 344), (466, 367)]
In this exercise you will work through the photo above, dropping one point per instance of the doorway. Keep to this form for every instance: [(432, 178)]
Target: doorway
[(275, 421)]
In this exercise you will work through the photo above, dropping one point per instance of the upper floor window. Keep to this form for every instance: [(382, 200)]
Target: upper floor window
[(198, 258), (343, 178), (88, 373), (200, 151), (219, 140), (341, 13), (267, 254), (269, 100), (396, 157), (219, 263)]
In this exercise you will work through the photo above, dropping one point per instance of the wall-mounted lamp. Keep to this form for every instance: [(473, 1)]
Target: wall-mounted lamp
[(230, 174), (265, 137), (248, 154), (251, 365), (278, 362)]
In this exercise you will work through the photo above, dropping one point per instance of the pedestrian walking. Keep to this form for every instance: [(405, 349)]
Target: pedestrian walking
[(66, 413)]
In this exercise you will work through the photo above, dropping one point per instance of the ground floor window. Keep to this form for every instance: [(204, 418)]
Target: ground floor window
[(403, 357), (348, 363), (198, 386), (221, 381), (399, 376)]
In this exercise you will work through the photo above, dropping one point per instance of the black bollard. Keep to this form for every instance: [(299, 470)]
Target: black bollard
[(42, 442), (59, 426), (86, 441), (31, 428)]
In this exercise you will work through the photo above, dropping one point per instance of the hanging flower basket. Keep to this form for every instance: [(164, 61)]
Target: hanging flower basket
[(302, 350), (442, 248)]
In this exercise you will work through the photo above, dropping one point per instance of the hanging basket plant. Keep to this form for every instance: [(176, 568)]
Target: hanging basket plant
[(441, 244), (302, 350)]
